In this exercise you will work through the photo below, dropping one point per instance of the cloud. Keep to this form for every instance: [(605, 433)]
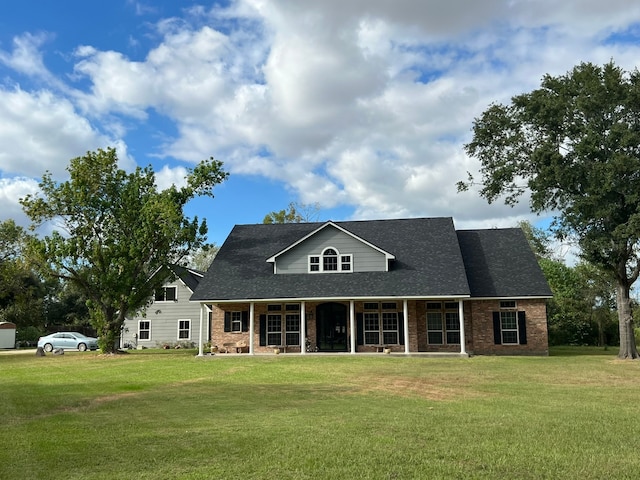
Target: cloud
[(41, 131), (365, 103), (11, 191)]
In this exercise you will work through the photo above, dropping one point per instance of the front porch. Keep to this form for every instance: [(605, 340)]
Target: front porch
[(403, 327)]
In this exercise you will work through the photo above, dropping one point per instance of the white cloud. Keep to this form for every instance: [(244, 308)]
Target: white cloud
[(360, 102), (168, 176), (40, 132), (11, 191)]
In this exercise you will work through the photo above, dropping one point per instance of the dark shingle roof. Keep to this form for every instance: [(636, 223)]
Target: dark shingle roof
[(431, 260), (428, 263), (500, 263), (189, 276)]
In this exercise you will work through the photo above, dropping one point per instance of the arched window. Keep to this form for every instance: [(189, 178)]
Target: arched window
[(330, 260)]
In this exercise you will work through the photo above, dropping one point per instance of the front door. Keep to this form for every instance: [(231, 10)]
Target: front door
[(331, 327)]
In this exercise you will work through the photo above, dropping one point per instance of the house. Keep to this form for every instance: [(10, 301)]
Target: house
[(408, 285), (171, 319)]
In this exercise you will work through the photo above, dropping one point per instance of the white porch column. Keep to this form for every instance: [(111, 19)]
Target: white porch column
[(252, 321), (303, 328), (352, 325), (405, 313), (200, 345), (463, 348)]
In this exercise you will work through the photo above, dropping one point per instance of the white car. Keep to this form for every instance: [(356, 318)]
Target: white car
[(68, 340)]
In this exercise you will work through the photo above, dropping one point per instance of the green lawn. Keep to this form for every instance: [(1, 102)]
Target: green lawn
[(165, 415)]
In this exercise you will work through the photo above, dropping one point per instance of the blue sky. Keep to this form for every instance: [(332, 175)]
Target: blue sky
[(361, 106)]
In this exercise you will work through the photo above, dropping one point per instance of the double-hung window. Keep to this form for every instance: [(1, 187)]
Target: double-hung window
[(509, 324), (144, 330), (184, 329)]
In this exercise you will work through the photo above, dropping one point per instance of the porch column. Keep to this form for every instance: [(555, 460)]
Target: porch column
[(200, 346), (463, 348), (405, 313), (352, 325), (252, 321), (303, 328)]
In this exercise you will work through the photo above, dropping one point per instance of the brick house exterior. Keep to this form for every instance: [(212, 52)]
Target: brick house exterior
[(411, 286)]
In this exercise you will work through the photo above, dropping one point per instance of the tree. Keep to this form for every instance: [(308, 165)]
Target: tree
[(118, 229), (295, 213), (21, 290), (574, 144), (201, 259)]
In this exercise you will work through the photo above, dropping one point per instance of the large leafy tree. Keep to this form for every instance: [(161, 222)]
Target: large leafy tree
[(114, 230), (574, 144), (21, 290)]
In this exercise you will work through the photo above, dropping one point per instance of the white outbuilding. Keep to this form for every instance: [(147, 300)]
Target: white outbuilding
[(7, 335)]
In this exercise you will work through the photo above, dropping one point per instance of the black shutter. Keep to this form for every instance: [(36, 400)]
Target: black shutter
[(263, 330), (497, 334), (360, 328), (522, 328), (245, 321), (401, 328), (227, 321)]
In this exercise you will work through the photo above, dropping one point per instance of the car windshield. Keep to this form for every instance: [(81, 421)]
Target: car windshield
[(78, 334)]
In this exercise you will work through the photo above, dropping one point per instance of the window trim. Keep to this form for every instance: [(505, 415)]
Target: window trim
[(503, 314), (236, 318), (316, 263), (380, 314), (188, 330), (445, 309), (140, 330)]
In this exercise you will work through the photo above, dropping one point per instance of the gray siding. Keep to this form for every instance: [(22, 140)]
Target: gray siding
[(164, 318), (364, 257)]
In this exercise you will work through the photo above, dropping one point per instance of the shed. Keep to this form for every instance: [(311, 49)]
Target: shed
[(7, 335)]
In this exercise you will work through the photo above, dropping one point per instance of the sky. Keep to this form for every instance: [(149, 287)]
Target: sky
[(360, 106)]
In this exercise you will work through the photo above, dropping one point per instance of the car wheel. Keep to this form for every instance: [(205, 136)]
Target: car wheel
[(82, 347), (48, 347)]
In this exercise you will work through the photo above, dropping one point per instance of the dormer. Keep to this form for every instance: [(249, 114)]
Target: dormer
[(330, 249)]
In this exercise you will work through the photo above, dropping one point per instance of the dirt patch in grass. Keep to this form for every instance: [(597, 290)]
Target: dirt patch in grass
[(432, 388)]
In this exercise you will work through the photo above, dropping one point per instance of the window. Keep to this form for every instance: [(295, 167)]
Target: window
[(381, 324), (509, 325), (314, 264), (292, 326), (274, 329), (166, 294), (236, 321), (330, 261), (371, 328), (184, 329), (443, 323), (144, 330), (281, 325)]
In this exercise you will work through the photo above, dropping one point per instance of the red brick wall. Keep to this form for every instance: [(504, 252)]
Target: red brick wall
[(478, 323), (482, 341)]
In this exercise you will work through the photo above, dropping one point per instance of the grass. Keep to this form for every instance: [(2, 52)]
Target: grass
[(154, 414)]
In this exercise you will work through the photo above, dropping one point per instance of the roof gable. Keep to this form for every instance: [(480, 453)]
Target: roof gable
[(330, 224)]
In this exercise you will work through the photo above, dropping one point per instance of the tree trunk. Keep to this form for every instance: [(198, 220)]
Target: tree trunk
[(628, 348)]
